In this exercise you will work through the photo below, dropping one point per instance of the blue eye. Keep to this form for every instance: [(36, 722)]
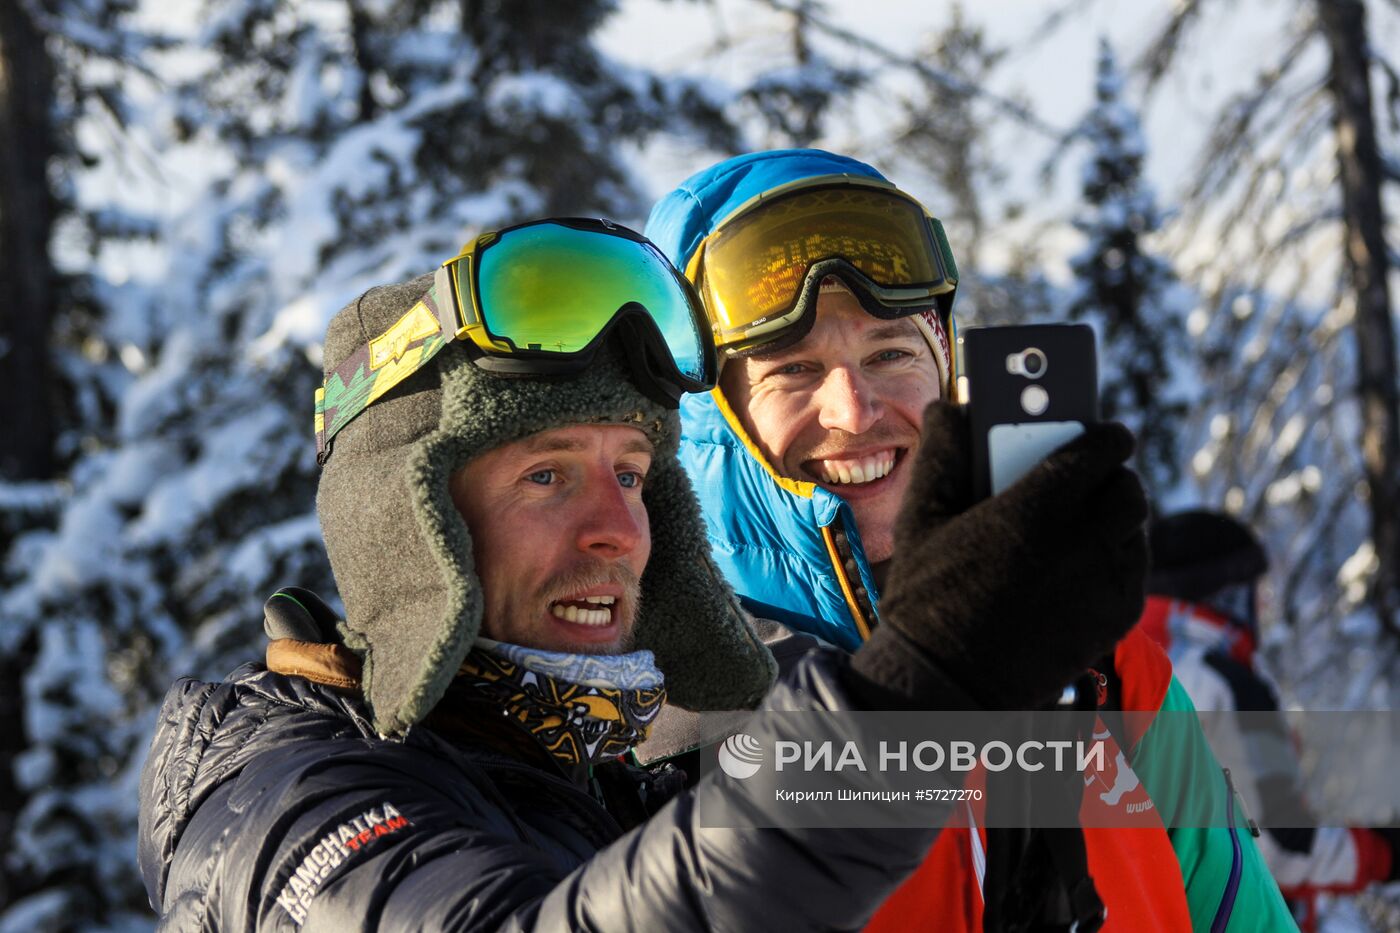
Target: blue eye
[(541, 477), (630, 480), (889, 356)]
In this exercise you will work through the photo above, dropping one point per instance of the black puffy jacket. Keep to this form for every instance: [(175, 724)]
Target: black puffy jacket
[(268, 803)]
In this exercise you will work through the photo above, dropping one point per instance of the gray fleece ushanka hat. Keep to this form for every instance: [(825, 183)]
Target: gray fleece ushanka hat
[(402, 555)]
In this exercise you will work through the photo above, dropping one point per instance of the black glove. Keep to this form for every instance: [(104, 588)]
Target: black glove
[(296, 612), (1014, 596)]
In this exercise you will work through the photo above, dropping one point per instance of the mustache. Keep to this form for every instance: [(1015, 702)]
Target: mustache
[(836, 443), (596, 573)]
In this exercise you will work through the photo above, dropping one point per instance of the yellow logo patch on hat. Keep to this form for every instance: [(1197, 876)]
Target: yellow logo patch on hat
[(390, 346)]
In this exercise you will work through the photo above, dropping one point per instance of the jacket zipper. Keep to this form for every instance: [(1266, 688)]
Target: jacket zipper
[(843, 564), (1232, 887)]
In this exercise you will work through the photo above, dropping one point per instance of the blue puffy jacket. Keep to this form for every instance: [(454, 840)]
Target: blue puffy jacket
[(778, 541)]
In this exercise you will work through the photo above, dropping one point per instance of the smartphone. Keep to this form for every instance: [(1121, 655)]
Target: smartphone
[(1029, 389)]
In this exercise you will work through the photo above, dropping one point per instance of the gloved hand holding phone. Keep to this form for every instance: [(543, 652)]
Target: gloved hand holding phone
[(1011, 597)]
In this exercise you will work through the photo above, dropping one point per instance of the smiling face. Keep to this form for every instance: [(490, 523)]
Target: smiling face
[(560, 536), (842, 408)]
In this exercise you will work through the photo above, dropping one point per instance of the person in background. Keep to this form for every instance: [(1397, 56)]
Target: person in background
[(830, 292), (1203, 609)]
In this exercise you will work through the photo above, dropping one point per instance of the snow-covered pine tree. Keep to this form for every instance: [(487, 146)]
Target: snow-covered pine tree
[(1294, 194), (1270, 366), (68, 69), (27, 303), (310, 150), (1124, 289)]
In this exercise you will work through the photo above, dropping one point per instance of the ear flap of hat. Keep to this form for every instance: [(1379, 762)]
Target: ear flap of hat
[(690, 618), (411, 621), (386, 569)]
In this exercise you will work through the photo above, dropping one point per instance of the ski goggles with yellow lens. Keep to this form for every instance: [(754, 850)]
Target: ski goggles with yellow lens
[(759, 272), (539, 298)]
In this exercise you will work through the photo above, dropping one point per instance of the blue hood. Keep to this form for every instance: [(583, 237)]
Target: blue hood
[(767, 533)]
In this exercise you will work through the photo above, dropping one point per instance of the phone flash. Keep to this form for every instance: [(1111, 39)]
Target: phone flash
[(1034, 400)]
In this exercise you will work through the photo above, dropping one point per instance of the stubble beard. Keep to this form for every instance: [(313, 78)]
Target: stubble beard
[(879, 545), (586, 576)]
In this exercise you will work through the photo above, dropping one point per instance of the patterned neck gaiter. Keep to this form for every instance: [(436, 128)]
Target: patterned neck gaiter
[(582, 709)]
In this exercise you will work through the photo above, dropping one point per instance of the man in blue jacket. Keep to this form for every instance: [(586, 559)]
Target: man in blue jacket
[(830, 293)]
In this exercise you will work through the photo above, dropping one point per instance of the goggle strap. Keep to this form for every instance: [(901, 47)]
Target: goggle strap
[(376, 367), (936, 335)]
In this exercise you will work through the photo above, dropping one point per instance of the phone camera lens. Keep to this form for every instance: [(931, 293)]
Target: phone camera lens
[(1033, 363)]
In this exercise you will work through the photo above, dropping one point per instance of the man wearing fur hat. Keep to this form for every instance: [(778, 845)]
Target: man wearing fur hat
[(830, 292), (526, 580)]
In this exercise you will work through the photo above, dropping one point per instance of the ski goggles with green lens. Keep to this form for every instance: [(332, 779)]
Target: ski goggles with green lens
[(758, 273), (539, 298)]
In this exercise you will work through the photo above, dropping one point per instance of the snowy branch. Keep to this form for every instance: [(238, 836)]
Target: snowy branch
[(952, 82)]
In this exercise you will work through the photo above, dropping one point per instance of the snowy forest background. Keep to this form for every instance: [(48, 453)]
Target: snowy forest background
[(189, 190)]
